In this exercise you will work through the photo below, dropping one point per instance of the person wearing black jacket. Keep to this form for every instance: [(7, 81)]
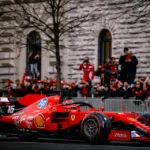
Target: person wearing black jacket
[(124, 62), (104, 74), (105, 93), (126, 91), (132, 68)]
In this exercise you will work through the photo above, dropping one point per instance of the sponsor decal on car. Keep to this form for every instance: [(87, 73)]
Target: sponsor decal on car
[(120, 135), (73, 117), (39, 121), (22, 118), (42, 103), (18, 119), (28, 124), (30, 117), (131, 119), (18, 113)]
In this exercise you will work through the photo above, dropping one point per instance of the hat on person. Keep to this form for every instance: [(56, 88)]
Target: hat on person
[(113, 57), (17, 80), (7, 81), (100, 67), (54, 81), (39, 81)]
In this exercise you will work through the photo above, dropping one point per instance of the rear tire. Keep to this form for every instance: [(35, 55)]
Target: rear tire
[(95, 128)]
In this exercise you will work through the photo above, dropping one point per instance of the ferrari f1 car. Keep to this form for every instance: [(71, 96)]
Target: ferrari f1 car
[(55, 118)]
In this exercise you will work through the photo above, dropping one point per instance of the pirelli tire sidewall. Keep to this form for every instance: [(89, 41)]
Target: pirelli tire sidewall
[(104, 126)]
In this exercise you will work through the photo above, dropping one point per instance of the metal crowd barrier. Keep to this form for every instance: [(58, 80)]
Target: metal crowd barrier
[(147, 106), (126, 105), (117, 104)]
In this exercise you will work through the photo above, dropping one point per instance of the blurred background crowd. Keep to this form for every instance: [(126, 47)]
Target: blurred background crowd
[(115, 79)]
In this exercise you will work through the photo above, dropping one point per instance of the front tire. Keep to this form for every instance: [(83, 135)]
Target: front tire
[(95, 128)]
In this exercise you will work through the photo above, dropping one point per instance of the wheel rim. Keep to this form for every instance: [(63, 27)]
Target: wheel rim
[(91, 127)]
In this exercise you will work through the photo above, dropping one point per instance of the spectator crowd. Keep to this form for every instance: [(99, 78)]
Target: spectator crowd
[(116, 79)]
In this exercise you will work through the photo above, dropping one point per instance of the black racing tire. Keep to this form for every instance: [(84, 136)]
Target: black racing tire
[(28, 138), (95, 128)]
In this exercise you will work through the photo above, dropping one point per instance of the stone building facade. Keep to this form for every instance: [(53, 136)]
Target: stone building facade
[(98, 40)]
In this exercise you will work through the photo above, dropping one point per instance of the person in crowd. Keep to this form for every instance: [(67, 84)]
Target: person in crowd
[(120, 89), (20, 91), (113, 68), (35, 88), (114, 88), (104, 75), (1, 92), (6, 84), (146, 86), (52, 80), (38, 75), (32, 63), (10, 92), (126, 92), (53, 87), (74, 89), (124, 61), (95, 90), (44, 87), (28, 87), (139, 92), (85, 88), (105, 92), (45, 80), (37, 58), (66, 91), (88, 70), (34, 59), (132, 68), (107, 64)]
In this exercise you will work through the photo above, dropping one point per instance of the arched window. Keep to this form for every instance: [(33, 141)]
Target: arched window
[(105, 46), (33, 55)]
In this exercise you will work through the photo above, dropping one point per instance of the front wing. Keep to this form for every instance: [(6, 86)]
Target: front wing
[(128, 136)]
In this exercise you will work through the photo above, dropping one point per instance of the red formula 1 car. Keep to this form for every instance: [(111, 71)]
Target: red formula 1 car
[(52, 117)]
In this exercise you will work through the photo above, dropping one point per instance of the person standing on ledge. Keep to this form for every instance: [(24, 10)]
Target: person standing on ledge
[(88, 70), (88, 74)]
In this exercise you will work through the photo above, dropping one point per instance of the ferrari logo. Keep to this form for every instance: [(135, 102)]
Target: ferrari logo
[(73, 117)]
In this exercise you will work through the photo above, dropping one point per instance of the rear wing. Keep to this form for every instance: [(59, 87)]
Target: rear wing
[(4, 100)]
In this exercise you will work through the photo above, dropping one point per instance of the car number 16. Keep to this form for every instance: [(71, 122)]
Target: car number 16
[(11, 109)]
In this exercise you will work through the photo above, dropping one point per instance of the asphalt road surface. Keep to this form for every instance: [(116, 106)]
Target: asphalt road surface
[(46, 144)]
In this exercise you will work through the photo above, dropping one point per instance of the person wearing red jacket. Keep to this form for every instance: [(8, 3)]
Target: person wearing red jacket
[(113, 68), (88, 70)]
